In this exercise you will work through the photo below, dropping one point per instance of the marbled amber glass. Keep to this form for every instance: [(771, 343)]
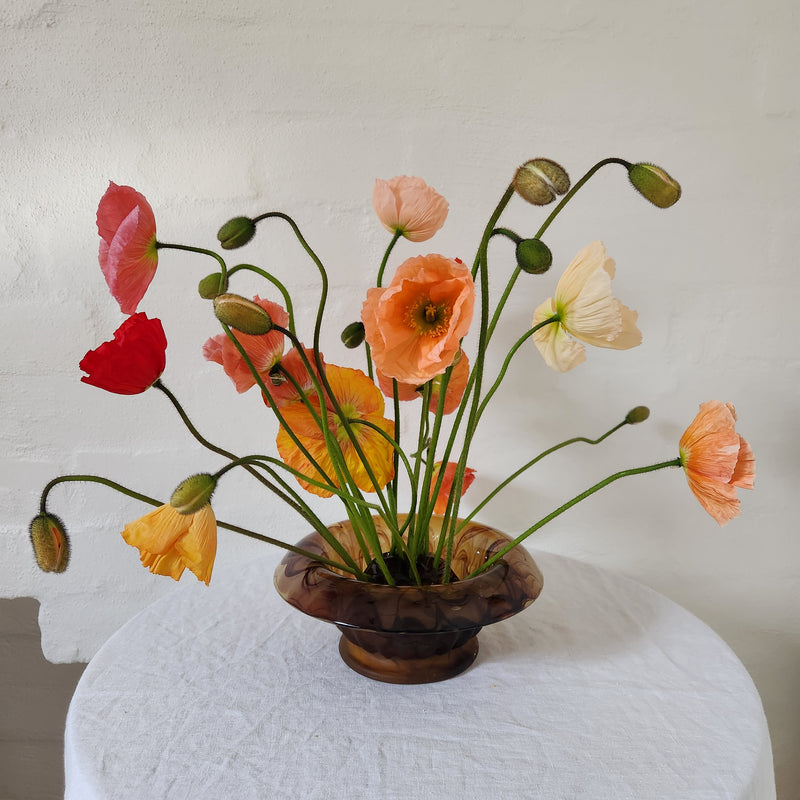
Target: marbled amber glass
[(411, 634)]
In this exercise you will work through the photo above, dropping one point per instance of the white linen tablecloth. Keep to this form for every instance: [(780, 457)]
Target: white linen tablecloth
[(601, 689)]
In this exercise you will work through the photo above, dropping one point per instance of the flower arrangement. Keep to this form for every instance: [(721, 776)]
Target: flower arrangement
[(333, 437)]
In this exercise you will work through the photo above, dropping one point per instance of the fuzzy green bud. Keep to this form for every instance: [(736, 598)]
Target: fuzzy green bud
[(50, 543), (637, 415), (193, 493), (236, 232), (242, 314), (353, 335), (540, 181), (655, 184), (534, 256), (212, 286)]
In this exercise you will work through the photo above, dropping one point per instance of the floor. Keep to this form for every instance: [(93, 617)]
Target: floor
[(34, 697)]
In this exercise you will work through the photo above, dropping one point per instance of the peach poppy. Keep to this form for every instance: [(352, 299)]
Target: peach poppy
[(169, 542), (128, 254), (455, 387), (586, 310), (447, 484), (264, 350), (359, 398), (415, 325), (409, 206), (717, 460)]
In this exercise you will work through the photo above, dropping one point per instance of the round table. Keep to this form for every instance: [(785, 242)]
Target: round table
[(601, 689)]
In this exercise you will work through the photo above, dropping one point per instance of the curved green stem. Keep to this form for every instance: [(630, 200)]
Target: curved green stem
[(268, 276), (94, 479), (511, 353), (536, 460), (397, 235), (190, 249), (675, 462)]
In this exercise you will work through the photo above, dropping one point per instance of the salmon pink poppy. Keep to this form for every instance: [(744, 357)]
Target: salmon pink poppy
[(359, 399), (264, 350), (132, 361), (169, 542), (415, 325), (586, 310), (410, 207), (128, 253), (717, 460), (447, 484)]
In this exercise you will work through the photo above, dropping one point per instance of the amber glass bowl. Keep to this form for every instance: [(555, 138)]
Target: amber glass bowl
[(411, 634)]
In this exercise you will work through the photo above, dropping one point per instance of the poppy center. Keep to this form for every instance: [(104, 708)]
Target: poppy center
[(427, 318)]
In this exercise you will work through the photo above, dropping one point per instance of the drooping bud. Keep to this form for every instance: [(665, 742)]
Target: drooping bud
[(236, 232), (353, 335), (637, 415), (193, 493), (242, 314), (534, 256), (655, 184), (212, 286), (540, 181), (50, 543)]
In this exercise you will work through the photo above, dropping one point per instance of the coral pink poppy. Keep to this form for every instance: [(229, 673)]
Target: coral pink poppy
[(169, 542), (415, 325), (717, 460), (359, 399), (447, 484), (264, 350), (455, 387), (409, 206), (128, 254), (586, 310), (132, 361)]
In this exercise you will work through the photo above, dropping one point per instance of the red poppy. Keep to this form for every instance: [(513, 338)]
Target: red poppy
[(130, 363), (128, 255)]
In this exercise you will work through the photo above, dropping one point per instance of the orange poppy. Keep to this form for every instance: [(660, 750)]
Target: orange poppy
[(415, 325), (359, 399), (717, 460)]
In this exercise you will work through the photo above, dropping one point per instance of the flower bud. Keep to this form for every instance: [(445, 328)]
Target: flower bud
[(637, 415), (212, 286), (242, 314), (534, 256), (236, 232), (655, 184), (193, 493), (540, 181), (353, 335), (50, 543)]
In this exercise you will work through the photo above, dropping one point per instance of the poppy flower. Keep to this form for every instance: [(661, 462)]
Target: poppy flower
[(447, 484), (359, 398), (717, 460), (586, 310), (169, 542), (132, 361), (410, 207), (128, 254), (415, 325), (455, 387), (264, 350)]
